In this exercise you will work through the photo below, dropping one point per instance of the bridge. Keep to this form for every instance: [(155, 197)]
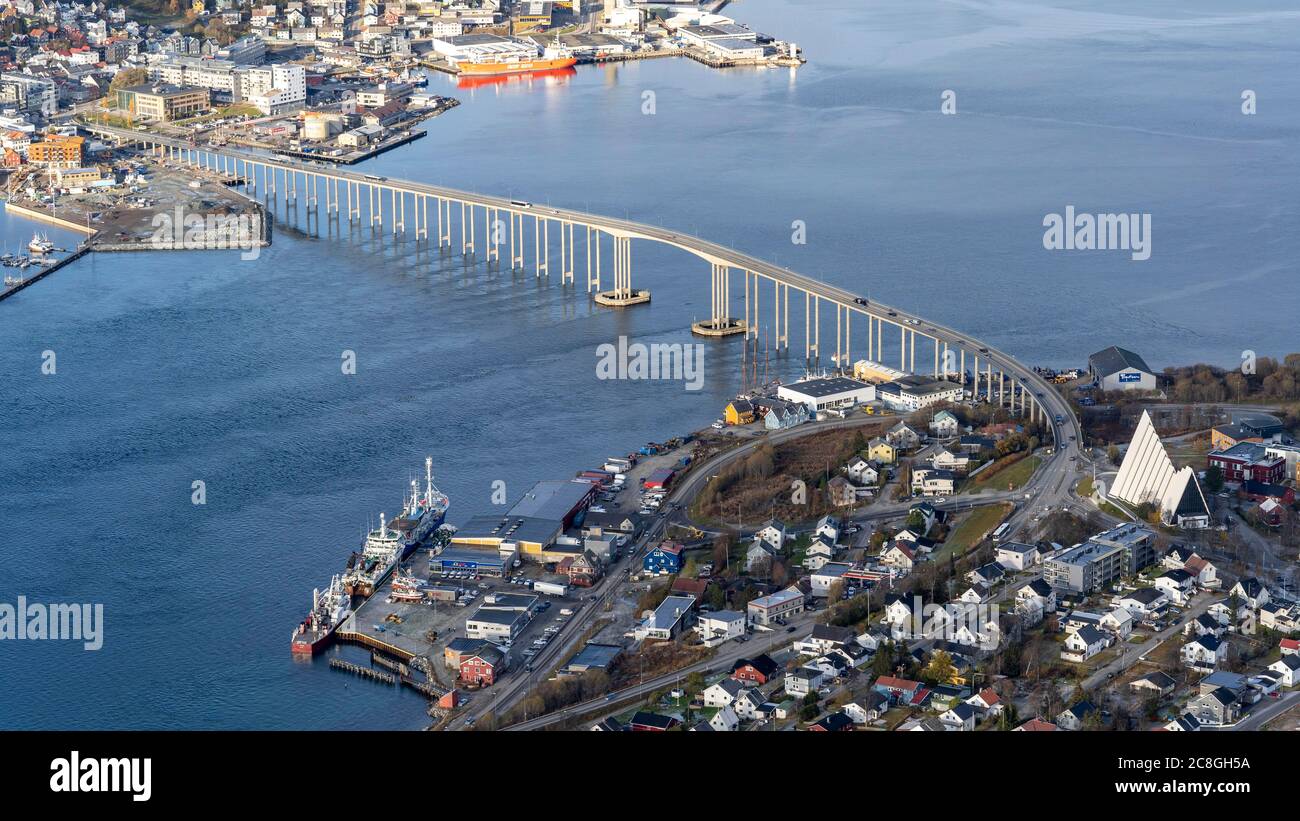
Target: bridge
[(436, 211)]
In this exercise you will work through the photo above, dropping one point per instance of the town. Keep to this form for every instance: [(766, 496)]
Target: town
[(874, 551)]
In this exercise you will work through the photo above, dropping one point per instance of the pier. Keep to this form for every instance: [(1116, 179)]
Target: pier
[(364, 672)]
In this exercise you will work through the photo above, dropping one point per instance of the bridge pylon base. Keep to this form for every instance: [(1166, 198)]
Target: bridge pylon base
[(615, 299), (727, 326)]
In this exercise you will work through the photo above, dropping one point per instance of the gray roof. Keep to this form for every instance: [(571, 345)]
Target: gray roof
[(1115, 359)]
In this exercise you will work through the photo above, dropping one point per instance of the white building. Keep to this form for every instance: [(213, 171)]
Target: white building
[(1147, 475), (822, 393), (721, 625), (1119, 369)]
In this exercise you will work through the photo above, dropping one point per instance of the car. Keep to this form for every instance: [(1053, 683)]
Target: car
[(860, 300), (986, 350), (893, 313), (914, 322), (791, 629)]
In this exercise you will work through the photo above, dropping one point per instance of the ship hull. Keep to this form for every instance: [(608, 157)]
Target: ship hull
[(312, 643), (521, 67)]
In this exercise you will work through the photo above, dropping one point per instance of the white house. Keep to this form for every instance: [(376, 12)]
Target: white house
[(773, 533), (721, 625), (803, 681), (817, 555), (960, 718), (1118, 621), (1143, 602), (1288, 668), (1040, 592), (1204, 652), (828, 528), (1253, 592), (902, 437), (1016, 556), (747, 705), (900, 555), (861, 472), (944, 424), (723, 693), (825, 577), (724, 720), (947, 460), (760, 556), (1178, 585), (1083, 644)]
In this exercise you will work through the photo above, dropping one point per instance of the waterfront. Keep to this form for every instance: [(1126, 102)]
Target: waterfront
[(183, 366)]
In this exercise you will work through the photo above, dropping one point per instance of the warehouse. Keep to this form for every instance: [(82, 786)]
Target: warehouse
[(484, 562), (495, 625), (827, 392), (1117, 369), (479, 48), (528, 536), (559, 500)]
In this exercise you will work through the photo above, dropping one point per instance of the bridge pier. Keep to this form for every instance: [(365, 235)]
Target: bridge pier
[(720, 322), (623, 294)]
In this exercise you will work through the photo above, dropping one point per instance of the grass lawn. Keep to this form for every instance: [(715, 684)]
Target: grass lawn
[(1011, 476), (1084, 488), (972, 530)]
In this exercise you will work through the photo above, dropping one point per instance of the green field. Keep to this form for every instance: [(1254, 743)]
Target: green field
[(1011, 476), (972, 530)]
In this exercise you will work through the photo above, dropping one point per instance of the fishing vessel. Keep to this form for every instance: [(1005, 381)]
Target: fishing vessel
[(407, 588), (328, 610), (422, 513), (380, 553), (40, 244)]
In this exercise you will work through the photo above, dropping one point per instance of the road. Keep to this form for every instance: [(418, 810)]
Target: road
[(722, 661), (1131, 654), (1264, 713)]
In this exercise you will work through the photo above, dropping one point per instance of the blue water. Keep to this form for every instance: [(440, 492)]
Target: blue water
[(199, 366)]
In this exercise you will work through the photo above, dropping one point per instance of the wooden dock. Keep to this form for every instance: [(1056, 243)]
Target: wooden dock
[(364, 672)]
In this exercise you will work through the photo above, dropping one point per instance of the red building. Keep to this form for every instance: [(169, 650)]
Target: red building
[(1247, 461), (644, 722), (758, 670), (482, 668)]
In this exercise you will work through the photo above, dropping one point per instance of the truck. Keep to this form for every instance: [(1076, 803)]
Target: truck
[(550, 588)]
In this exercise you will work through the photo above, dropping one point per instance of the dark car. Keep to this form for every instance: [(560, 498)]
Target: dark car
[(791, 629), (860, 300)]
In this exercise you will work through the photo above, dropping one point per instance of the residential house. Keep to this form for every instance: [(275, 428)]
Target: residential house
[(1036, 725), (782, 604), (721, 625), (1083, 644), (1144, 602), (900, 690), (837, 722), (959, 718), (824, 638), (881, 451), (481, 669), (1118, 621), (644, 721), (1040, 592), (828, 528), (1206, 575), (724, 720), (760, 557), (989, 574), (818, 554), (1015, 556), (666, 558), (933, 482), (1253, 592), (773, 533), (1215, 708), (749, 704), (902, 437), (861, 472), (842, 492), (1074, 718), (900, 555), (947, 460), (803, 681), (1204, 653), (1290, 647), (944, 424), (1288, 669), (739, 412), (758, 670), (1279, 617), (723, 693), (987, 704), (1177, 585), (1158, 683)]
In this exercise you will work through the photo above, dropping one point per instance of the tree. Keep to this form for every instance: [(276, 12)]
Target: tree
[(1112, 454), (940, 669), (1214, 478), (717, 597), (128, 77)]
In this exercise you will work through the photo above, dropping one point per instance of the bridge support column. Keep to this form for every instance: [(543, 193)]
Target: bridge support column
[(719, 322), (593, 274), (566, 264), (623, 294)]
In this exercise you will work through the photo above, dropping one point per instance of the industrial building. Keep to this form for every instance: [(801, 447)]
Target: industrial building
[(1103, 559), (1117, 369), (528, 536), (870, 371), (910, 393), (495, 625), (593, 656), (822, 393), (479, 48), (488, 561), (560, 500)]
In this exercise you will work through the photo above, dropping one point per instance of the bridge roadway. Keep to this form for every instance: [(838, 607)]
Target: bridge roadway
[(1045, 400)]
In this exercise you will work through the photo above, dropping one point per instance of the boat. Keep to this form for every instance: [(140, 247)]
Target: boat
[(407, 588), (380, 553), (40, 244), (489, 67), (328, 611)]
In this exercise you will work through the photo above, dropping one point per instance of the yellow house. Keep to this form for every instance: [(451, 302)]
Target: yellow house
[(739, 412), (881, 451)]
